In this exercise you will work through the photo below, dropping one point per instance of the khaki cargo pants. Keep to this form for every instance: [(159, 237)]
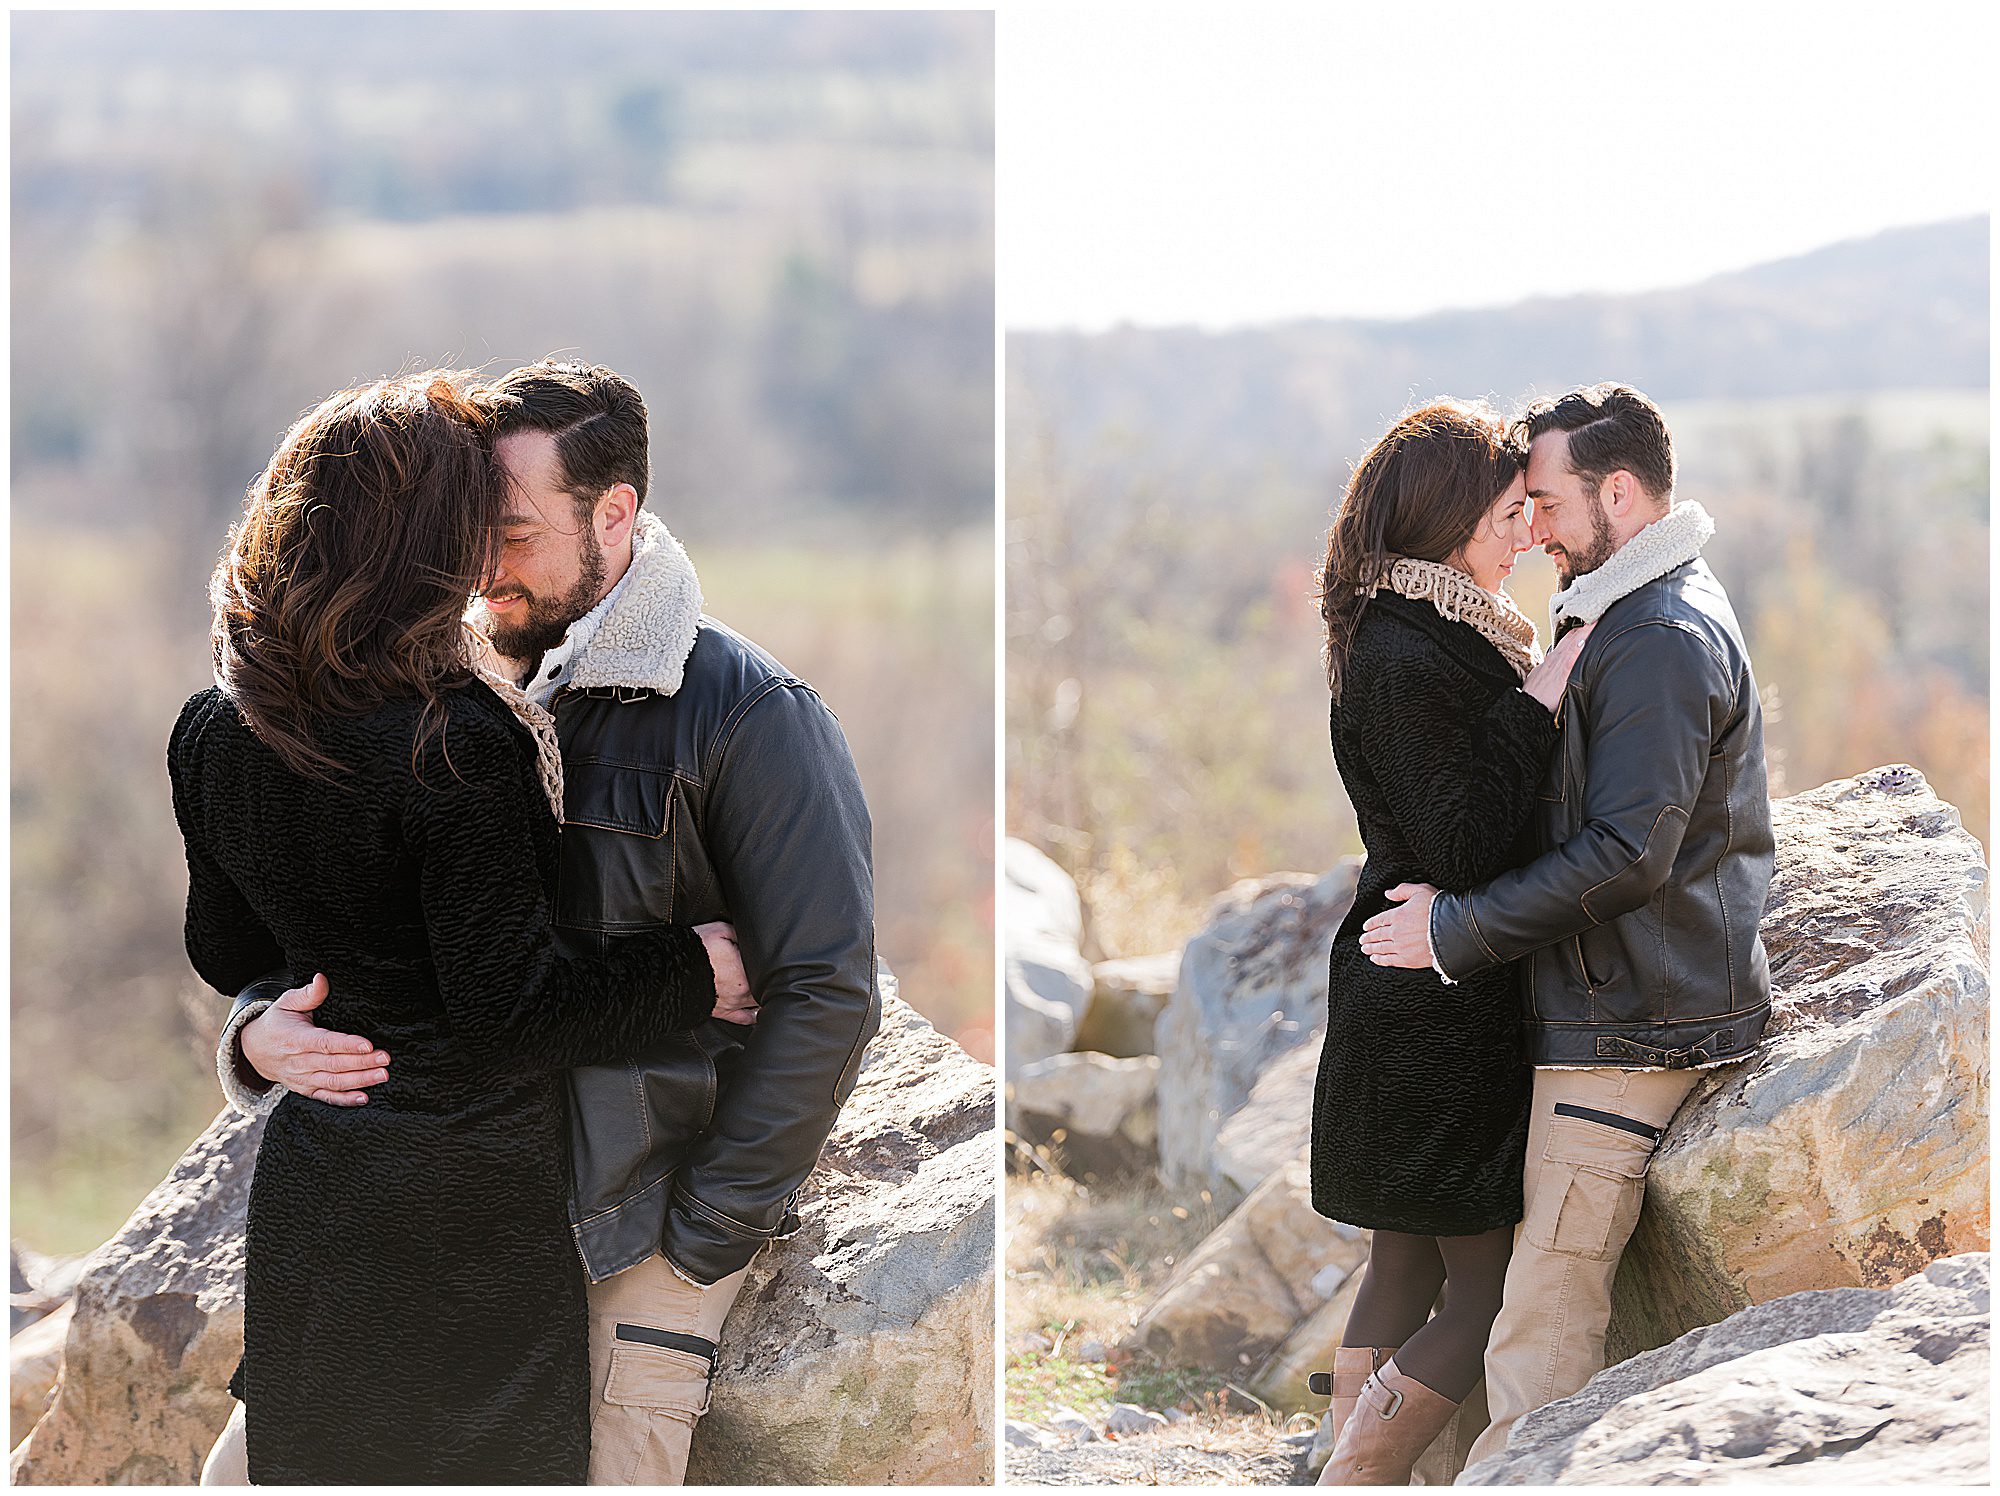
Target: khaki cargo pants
[(1591, 1137), (652, 1344)]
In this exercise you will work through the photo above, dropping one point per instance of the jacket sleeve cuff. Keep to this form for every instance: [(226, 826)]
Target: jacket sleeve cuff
[(1437, 965), (703, 1246), (246, 1090), (1457, 952)]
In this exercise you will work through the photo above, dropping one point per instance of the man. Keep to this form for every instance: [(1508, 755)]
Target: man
[(1638, 928), (701, 782)]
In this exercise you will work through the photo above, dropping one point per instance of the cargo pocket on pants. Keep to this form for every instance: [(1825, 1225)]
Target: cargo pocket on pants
[(1592, 1185), (655, 1391)]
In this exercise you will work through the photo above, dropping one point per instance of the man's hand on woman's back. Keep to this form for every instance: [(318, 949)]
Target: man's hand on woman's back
[(285, 1046)]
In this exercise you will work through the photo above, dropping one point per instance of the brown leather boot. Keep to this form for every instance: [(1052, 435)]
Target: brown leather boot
[(1393, 1423), (1352, 1366)]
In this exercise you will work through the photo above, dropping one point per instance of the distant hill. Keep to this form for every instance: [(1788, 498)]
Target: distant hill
[(1904, 309)]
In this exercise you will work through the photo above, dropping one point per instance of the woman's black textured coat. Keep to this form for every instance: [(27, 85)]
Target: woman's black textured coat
[(414, 1306), (1420, 1115)]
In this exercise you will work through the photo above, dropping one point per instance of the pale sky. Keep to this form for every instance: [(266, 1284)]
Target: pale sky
[(1219, 164)]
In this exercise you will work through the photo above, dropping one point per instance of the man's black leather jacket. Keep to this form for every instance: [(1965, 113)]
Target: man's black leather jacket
[(730, 796), (1640, 924)]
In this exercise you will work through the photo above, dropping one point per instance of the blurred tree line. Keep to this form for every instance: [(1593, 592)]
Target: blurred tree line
[(1166, 708), (779, 226)]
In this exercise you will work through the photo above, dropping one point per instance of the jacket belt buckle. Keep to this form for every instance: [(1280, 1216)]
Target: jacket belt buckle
[(1695, 1054)]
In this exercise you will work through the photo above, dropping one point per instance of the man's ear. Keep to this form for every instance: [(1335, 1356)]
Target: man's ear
[(1623, 492), (617, 512)]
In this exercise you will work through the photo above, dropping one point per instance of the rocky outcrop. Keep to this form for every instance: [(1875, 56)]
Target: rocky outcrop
[(1853, 1148), (1048, 981), (1127, 997), (1847, 1386), (34, 1361), (858, 1352), (1252, 986), (1270, 1265), (156, 1332), (39, 1309), (1273, 1125), (37, 1285), (1093, 1115), (1851, 1151)]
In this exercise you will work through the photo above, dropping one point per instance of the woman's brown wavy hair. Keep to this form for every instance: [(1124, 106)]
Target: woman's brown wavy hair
[(1421, 492), (344, 584)]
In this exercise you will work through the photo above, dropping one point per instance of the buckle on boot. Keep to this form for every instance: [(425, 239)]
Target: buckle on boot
[(1384, 1400), (1320, 1384)]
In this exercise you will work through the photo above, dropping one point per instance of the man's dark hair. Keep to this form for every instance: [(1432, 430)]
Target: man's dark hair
[(1610, 426), (596, 417)]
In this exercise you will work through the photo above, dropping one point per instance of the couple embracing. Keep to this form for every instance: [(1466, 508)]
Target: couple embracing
[(547, 903), (1556, 927)]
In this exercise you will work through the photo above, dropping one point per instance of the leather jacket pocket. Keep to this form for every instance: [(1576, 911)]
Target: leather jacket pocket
[(678, 1077), (1597, 951), (614, 875), (617, 797), (1590, 1187)]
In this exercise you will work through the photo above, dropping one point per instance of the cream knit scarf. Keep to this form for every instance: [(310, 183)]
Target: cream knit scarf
[(1669, 542), (539, 720), (1495, 615)]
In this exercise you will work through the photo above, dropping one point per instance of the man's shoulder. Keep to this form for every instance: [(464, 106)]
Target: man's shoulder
[(1690, 591), (730, 665), (1685, 612)]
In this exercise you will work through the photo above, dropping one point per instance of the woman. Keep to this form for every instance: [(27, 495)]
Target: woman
[(1443, 723), (357, 800)]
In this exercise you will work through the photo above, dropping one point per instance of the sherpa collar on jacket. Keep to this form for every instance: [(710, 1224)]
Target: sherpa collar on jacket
[(649, 629), (1671, 541)]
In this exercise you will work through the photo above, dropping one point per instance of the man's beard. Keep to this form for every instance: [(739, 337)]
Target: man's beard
[(546, 620), (1573, 564)]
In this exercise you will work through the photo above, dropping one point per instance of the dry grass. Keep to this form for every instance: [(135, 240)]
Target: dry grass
[(1082, 1264)]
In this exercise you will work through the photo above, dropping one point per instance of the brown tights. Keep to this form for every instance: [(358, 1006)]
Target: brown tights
[(1445, 1351)]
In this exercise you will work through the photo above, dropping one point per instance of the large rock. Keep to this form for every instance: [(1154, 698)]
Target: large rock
[(1268, 1266), (156, 1332), (37, 1285), (1048, 981), (1846, 1386), (1309, 1346), (1853, 1148), (859, 1351), (1126, 999), (1252, 986), (1094, 1115), (34, 1361), (1273, 1125)]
